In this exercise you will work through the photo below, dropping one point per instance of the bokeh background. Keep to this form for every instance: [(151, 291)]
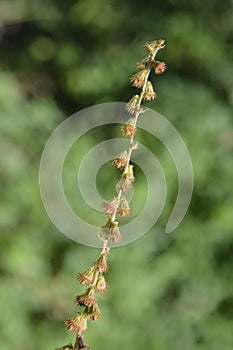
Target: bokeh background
[(165, 291)]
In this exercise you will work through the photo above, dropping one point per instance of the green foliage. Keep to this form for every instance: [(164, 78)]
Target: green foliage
[(165, 291)]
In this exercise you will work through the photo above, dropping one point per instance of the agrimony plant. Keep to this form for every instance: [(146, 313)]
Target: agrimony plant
[(93, 279)]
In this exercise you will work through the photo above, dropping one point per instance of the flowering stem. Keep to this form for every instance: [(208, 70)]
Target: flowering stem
[(93, 278)]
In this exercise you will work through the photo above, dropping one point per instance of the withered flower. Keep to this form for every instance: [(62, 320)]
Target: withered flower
[(144, 63), (101, 285), (101, 264), (77, 324), (110, 231), (149, 93), (111, 206), (120, 161), (153, 46), (132, 106), (93, 312), (123, 209), (139, 78), (86, 278), (124, 184), (86, 299)]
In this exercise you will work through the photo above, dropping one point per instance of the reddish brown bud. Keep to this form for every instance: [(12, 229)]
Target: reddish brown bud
[(160, 67)]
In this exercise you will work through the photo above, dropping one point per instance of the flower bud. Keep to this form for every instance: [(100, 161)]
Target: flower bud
[(159, 67)]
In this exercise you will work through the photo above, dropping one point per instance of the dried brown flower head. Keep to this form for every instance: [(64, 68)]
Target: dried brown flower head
[(93, 312), (139, 78), (110, 231), (128, 130), (101, 263), (149, 93), (123, 209), (111, 206), (86, 299), (132, 106), (101, 285), (86, 278), (120, 161), (77, 324)]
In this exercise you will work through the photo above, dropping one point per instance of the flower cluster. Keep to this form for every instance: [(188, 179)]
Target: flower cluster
[(93, 279)]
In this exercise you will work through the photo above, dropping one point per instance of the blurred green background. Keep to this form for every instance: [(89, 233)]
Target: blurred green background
[(165, 291)]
